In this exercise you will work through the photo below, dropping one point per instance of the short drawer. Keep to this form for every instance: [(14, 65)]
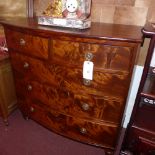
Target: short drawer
[(79, 129), (103, 56), (87, 106), (28, 44), (31, 68)]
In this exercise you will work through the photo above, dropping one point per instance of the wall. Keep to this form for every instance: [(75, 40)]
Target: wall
[(11, 8), (130, 12)]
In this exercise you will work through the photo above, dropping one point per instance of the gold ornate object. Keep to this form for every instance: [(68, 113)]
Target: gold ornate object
[(54, 9)]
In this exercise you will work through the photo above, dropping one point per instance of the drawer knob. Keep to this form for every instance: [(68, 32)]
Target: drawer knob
[(83, 130), (88, 56), (29, 87), (22, 42), (26, 65), (32, 109), (85, 106), (86, 82)]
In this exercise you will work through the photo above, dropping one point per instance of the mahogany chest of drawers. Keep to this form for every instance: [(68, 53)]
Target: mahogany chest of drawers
[(48, 71)]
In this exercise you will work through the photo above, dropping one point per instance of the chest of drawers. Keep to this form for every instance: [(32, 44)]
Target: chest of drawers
[(48, 65)]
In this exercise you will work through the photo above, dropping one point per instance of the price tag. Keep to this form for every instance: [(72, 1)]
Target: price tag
[(88, 70)]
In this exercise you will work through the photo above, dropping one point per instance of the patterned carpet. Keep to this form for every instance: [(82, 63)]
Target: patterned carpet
[(24, 137)]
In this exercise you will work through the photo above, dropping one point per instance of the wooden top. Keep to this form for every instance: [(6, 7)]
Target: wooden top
[(98, 30)]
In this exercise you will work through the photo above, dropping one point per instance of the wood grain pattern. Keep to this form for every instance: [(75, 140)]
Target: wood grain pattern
[(104, 56), (74, 104), (105, 135), (32, 45), (49, 79)]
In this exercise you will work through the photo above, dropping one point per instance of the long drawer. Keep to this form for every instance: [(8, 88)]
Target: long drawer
[(99, 134), (103, 108)]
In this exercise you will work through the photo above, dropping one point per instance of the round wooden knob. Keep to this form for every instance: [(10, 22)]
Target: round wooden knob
[(32, 109), (26, 65), (22, 42), (86, 82), (29, 87), (85, 106), (88, 56), (83, 130)]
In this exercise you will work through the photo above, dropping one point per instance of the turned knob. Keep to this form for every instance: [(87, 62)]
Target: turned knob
[(29, 87), (32, 109), (26, 65), (86, 82), (22, 42), (83, 130), (88, 56), (85, 106)]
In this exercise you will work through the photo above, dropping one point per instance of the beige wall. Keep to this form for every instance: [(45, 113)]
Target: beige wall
[(130, 12), (11, 8)]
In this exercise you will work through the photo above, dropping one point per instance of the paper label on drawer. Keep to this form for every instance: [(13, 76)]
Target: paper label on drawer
[(88, 70)]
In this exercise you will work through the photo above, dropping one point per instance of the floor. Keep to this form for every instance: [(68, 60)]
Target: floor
[(26, 137)]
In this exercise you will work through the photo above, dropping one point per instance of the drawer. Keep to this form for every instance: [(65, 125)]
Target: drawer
[(104, 83), (28, 44), (103, 56), (30, 68), (80, 105), (79, 129)]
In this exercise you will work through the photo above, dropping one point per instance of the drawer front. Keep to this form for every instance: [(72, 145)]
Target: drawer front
[(103, 83), (103, 56), (78, 129), (68, 102), (30, 68), (28, 44)]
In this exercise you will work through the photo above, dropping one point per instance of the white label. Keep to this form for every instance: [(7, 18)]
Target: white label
[(152, 64), (88, 70)]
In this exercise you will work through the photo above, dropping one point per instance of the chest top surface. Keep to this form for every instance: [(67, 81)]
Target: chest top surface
[(97, 31)]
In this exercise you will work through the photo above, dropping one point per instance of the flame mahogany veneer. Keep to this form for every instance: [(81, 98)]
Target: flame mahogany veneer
[(47, 64)]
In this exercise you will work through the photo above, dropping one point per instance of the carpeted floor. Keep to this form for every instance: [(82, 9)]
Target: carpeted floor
[(23, 137)]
